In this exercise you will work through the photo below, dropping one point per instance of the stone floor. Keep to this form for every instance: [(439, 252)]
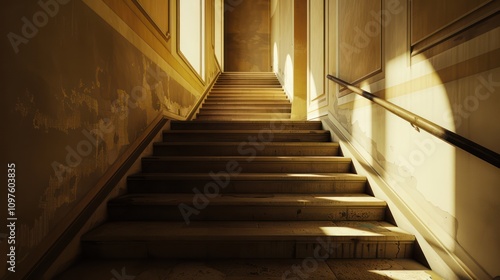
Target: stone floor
[(250, 269)]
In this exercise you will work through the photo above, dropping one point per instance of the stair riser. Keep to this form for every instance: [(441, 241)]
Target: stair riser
[(240, 98), (217, 98), (194, 125), (158, 166), (245, 109), (333, 248), (247, 106), (244, 94), (241, 187), (246, 137), (258, 149), (245, 89), (247, 103), (246, 86), (248, 83), (205, 111), (251, 92), (242, 117), (245, 213)]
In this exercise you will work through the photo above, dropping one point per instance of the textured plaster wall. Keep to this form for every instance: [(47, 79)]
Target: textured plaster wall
[(76, 94), (246, 36)]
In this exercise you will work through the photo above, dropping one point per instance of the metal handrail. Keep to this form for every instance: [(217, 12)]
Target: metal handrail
[(421, 123)]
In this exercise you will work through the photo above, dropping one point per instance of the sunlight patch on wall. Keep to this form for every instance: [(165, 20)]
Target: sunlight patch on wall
[(288, 77), (276, 58), (421, 164)]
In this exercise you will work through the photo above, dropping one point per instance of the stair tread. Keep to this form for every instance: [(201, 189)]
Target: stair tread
[(243, 102), (255, 131), (246, 231), (247, 122), (247, 91), (251, 269), (257, 176), (309, 200), (280, 144), (249, 98), (246, 106), (243, 125), (254, 159), (243, 113), (240, 117)]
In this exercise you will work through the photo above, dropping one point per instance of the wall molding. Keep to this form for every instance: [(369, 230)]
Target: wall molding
[(164, 33), (460, 26), (321, 100), (370, 75)]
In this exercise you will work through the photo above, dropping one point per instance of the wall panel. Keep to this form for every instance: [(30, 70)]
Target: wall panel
[(317, 96), (360, 39)]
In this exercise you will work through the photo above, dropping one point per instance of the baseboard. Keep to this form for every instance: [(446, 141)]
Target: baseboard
[(48, 253), (453, 265)]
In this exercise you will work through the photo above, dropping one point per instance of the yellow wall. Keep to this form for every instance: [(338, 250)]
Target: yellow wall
[(401, 53), (82, 81), (246, 36), (289, 51)]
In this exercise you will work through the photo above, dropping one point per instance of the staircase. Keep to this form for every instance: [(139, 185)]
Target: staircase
[(243, 182), (251, 96)]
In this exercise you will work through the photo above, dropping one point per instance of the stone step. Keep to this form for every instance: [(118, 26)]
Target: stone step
[(250, 96), (248, 239), (247, 106), (249, 82), (278, 95), (251, 269), (264, 135), (253, 126), (246, 116), (265, 183), (247, 90), (229, 103), (249, 100), (255, 78), (212, 206), (224, 110), (246, 164), (246, 74), (244, 86), (250, 148)]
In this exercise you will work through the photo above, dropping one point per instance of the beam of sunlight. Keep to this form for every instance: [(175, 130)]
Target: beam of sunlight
[(404, 274), (347, 231)]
